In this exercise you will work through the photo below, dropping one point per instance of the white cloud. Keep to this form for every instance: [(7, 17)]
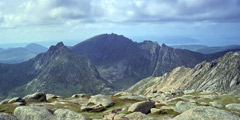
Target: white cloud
[(75, 12)]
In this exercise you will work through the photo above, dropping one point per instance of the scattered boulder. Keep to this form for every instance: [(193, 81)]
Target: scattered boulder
[(203, 103), (36, 96), (65, 114), (17, 101), (123, 94), (139, 116), (6, 116), (206, 113), (216, 104), (94, 108), (120, 116), (182, 106), (143, 107), (173, 100), (155, 110), (33, 113), (233, 106), (103, 100), (50, 96), (189, 91), (176, 92), (79, 95), (209, 96), (137, 98), (4, 101)]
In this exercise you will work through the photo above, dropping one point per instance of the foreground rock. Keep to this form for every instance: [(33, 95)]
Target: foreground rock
[(233, 106), (36, 96), (104, 100), (143, 107), (137, 98), (5, 116), (139, 116), (206, 113), (50, 96), (94, 108), (216, 104), (182, 106), (65, 114), (33, 113)]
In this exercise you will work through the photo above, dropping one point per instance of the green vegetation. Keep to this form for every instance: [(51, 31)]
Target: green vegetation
[(8, 108)]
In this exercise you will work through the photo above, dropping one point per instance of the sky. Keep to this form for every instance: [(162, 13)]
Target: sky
[(205, 22)]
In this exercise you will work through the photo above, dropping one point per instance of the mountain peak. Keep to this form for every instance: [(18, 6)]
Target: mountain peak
[(164, 45), (58, 46)]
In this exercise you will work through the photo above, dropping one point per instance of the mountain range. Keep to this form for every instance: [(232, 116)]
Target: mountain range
[(21, 54), (101, 64), (206, 49)]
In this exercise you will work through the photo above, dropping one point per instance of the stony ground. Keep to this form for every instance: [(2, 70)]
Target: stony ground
[(157, 105)]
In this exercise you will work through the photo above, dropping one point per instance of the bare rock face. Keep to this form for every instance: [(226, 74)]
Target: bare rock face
[(65, 114), (206, 113), (104, 100), (33, 113), (220, 75), (143, 107), (216, 104)]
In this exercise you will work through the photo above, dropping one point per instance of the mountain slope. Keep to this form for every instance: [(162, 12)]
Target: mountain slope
[(21, 54), (205, 49), (123, 62), (222, 75), (58, 71)]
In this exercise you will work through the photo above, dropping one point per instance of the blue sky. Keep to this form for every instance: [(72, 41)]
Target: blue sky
[(206, 22)]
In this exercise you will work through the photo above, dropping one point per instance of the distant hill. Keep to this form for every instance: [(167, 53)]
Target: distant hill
[(221, 75), (205, 49), (21, 54)]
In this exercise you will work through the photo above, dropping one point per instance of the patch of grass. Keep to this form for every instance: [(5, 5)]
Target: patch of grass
[(227, 99), (7, 108), (165, 112)]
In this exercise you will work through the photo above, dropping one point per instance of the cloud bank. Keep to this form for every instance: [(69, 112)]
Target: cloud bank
[(78, 12)]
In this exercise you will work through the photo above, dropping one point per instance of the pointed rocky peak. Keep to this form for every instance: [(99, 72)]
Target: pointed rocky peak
[(164, 45), (59, 45)]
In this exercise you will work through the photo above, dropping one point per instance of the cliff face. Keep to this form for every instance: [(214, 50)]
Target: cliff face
[(222, 75)]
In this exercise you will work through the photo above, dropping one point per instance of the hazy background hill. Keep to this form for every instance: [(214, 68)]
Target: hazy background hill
[(21, 54), (206, 49)]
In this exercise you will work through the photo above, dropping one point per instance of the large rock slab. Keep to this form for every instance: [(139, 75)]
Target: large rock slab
[(216, 104), (50, 96), (36, 96), (182, 106), (233, 106), (139, 116), (206, 113), (137, 98), (143, 107), (33, 113), (94, 108), (104, 100), (4, 101), (6, 116), (65, 114)]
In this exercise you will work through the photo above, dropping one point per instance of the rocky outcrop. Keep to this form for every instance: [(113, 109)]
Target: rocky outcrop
[(143, 107), (36, 96), (182, 106), (220, 75), (206, 113), (65, 114), (103, 100), (33, 113), (233, 106)]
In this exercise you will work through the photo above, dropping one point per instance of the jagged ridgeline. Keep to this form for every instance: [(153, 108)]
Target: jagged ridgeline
[(221, 75), (101, 64)]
